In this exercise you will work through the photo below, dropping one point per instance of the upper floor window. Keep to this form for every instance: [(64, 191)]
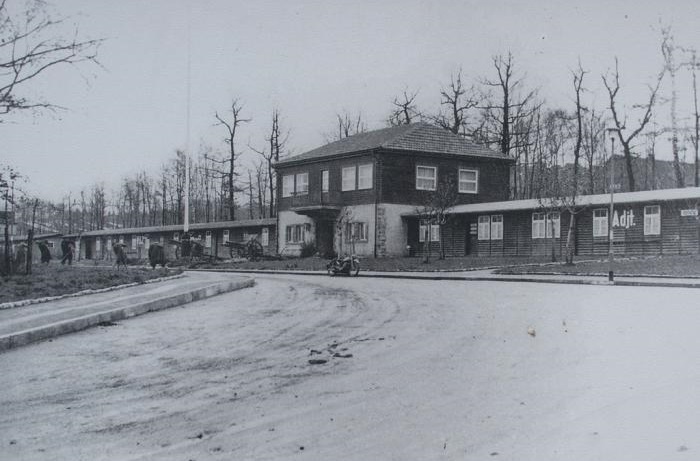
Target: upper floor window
[(348, 178), (600, 222), (364, 176), (468, 181), (287, 185), (291, 187), (324, 181), (652, 220), (302, 185), (426, 177)]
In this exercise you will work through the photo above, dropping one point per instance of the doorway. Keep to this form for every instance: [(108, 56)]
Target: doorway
[(324, 237)]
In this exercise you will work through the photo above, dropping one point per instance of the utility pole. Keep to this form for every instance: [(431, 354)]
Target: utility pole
[(611, 233)]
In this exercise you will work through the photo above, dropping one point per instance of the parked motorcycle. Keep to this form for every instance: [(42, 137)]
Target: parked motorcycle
[(348, 265)]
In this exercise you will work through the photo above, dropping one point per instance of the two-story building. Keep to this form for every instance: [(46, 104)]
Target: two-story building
[(359, 194)]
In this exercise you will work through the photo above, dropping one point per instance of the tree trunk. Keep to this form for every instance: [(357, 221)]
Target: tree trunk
[(570, 240)]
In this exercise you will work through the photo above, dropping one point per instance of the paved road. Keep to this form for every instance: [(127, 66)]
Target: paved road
[(407, 369)]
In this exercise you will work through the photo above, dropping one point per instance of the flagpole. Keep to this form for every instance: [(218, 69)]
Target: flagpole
[(186, 227)]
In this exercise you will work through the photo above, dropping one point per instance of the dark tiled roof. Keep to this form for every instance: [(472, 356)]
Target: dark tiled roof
[(418, 137)]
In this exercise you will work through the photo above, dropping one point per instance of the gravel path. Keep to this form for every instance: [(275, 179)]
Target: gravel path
[(339, 368)]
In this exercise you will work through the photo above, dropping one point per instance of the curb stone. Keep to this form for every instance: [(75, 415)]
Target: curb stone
[(22, 338), (405, 276)]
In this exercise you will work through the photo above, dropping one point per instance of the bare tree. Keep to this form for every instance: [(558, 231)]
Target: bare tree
[(625, 134), (404, 109), (277, 142), (346, 125), (514, 105), (32, 43), (508, 116), (457, 101), (577, 77), (668, 49), (695, 136), (231, 128), (594, 130), (434, 211)]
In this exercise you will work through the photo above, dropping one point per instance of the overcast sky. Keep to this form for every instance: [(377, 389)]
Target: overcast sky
[(311, 59)]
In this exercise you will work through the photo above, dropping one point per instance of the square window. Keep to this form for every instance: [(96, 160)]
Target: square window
[(426, 177), (348, 178), (553, 225), (302, 185), (538, 225), (497, 227), (468, 181), (434, 232), (652, 220), (484, 229), (600, 222), (364, 176), (325, 181), (287, 185)]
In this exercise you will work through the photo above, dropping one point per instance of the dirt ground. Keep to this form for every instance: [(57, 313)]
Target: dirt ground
[(361, 369)]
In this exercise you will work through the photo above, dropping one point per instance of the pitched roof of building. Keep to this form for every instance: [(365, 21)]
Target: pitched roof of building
[(180, 227), (418, 137), (663, 195)]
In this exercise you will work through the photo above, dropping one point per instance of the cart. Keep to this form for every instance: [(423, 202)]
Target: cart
[(252, 250)]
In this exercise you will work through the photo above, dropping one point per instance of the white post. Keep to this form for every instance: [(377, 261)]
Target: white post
[(186, 226)]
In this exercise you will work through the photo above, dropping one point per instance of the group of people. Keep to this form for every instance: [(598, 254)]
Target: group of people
[(67, 251)]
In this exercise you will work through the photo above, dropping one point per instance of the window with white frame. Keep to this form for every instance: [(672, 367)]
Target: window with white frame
[(348, 178), (652, 220), (287, 185), (484, 229), (538, 225), (497, 227), (364, 176), (296, 233), (468, 181), (426, 177), (226, 235), (325, 183), (600, 222), (356, 231), (434, 232), (553, 224), (302, 185)]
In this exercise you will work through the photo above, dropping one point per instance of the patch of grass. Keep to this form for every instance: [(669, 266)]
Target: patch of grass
[(56, 280), (667, 265)]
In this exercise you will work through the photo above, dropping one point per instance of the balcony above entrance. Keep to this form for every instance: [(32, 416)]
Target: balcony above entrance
[(325, 205)]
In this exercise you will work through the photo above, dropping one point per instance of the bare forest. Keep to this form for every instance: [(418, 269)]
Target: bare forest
[(559, 151)]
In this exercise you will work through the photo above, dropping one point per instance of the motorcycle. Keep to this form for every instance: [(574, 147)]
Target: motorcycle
[(348, 265)]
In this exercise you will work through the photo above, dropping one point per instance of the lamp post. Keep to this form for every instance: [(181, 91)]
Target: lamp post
[(611, 233)]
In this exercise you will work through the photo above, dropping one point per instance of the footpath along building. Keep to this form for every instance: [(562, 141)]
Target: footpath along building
[(364, 194)]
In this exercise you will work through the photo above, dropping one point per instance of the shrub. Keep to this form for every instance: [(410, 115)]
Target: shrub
[(308, 249)]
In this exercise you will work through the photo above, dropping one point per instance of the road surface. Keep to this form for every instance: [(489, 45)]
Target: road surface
[(320, 368)]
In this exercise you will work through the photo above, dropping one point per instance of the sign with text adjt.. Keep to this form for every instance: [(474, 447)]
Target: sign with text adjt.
[(689, 212), (624, 219)]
